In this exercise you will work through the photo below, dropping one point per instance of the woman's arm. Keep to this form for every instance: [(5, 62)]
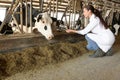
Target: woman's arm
[(92, 24)]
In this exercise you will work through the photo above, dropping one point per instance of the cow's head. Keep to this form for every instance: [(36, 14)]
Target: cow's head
[(43, 24)]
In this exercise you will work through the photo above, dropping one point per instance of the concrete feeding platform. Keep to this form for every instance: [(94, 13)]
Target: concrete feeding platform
[(20, 41)]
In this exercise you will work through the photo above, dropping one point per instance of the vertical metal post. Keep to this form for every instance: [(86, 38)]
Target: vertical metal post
[(21, 15), (41, 4), (53, 2), (50, 7), (69, 9), (56, 8), (69, 16), (26, 16), (72, 9), (113, 10), (75, 11), (31, 14)]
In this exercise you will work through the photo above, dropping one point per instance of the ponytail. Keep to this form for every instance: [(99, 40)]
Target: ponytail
[(97, 13)]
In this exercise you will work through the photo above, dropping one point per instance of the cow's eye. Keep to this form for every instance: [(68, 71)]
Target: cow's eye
[(45, 27), (43, 21), (14, 25)]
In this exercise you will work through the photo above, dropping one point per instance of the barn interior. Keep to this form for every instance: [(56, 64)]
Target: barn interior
[(26, 54)]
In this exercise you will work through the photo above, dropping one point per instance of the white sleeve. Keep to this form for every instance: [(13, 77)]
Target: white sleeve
[(88, 28)]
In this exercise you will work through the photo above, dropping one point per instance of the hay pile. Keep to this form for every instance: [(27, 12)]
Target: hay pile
[(39, 56)]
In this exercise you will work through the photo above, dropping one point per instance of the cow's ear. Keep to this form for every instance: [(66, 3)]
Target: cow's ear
[(39, 17), (35, 18), (28, 5), (0, 22)]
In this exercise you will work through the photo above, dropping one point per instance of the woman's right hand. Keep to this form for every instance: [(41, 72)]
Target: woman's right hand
[(70, 30)]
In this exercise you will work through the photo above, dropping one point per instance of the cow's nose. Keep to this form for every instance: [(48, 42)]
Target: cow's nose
[(50, 37)]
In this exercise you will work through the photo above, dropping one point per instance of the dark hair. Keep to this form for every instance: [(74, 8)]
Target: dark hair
[(97, 13)]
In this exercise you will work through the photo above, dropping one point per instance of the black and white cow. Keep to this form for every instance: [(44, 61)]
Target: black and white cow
[(61, 25), (43, 25), (78, 24), (113, 19), (47, 25), (116, 27), (116, 22), (6, 29)]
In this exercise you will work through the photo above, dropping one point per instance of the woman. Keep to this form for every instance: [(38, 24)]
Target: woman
[(98, 35)]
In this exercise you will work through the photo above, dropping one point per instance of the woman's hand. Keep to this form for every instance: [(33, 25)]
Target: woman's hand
[(70, 30)]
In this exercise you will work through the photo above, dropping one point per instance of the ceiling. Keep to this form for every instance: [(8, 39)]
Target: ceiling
[(62, 4)]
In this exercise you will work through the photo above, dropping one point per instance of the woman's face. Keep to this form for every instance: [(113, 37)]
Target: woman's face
[(86, 12)]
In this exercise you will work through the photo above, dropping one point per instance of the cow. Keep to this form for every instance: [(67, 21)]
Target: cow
[(61, 25), (78, 24), (116, 27), (116, 23), (6, 29), (43, 25)]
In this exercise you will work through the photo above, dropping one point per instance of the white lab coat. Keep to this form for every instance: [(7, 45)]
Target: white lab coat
[(97, 32)]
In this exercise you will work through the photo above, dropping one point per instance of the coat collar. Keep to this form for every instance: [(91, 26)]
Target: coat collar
[(92, 17)]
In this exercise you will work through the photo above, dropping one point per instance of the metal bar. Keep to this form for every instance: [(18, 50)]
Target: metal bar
[(75, 3), (53, 7), (56, 8), (41, 2), (31, 14), (26, 16), (69, 15), (16, 23), (50, 8), (21, 14)]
